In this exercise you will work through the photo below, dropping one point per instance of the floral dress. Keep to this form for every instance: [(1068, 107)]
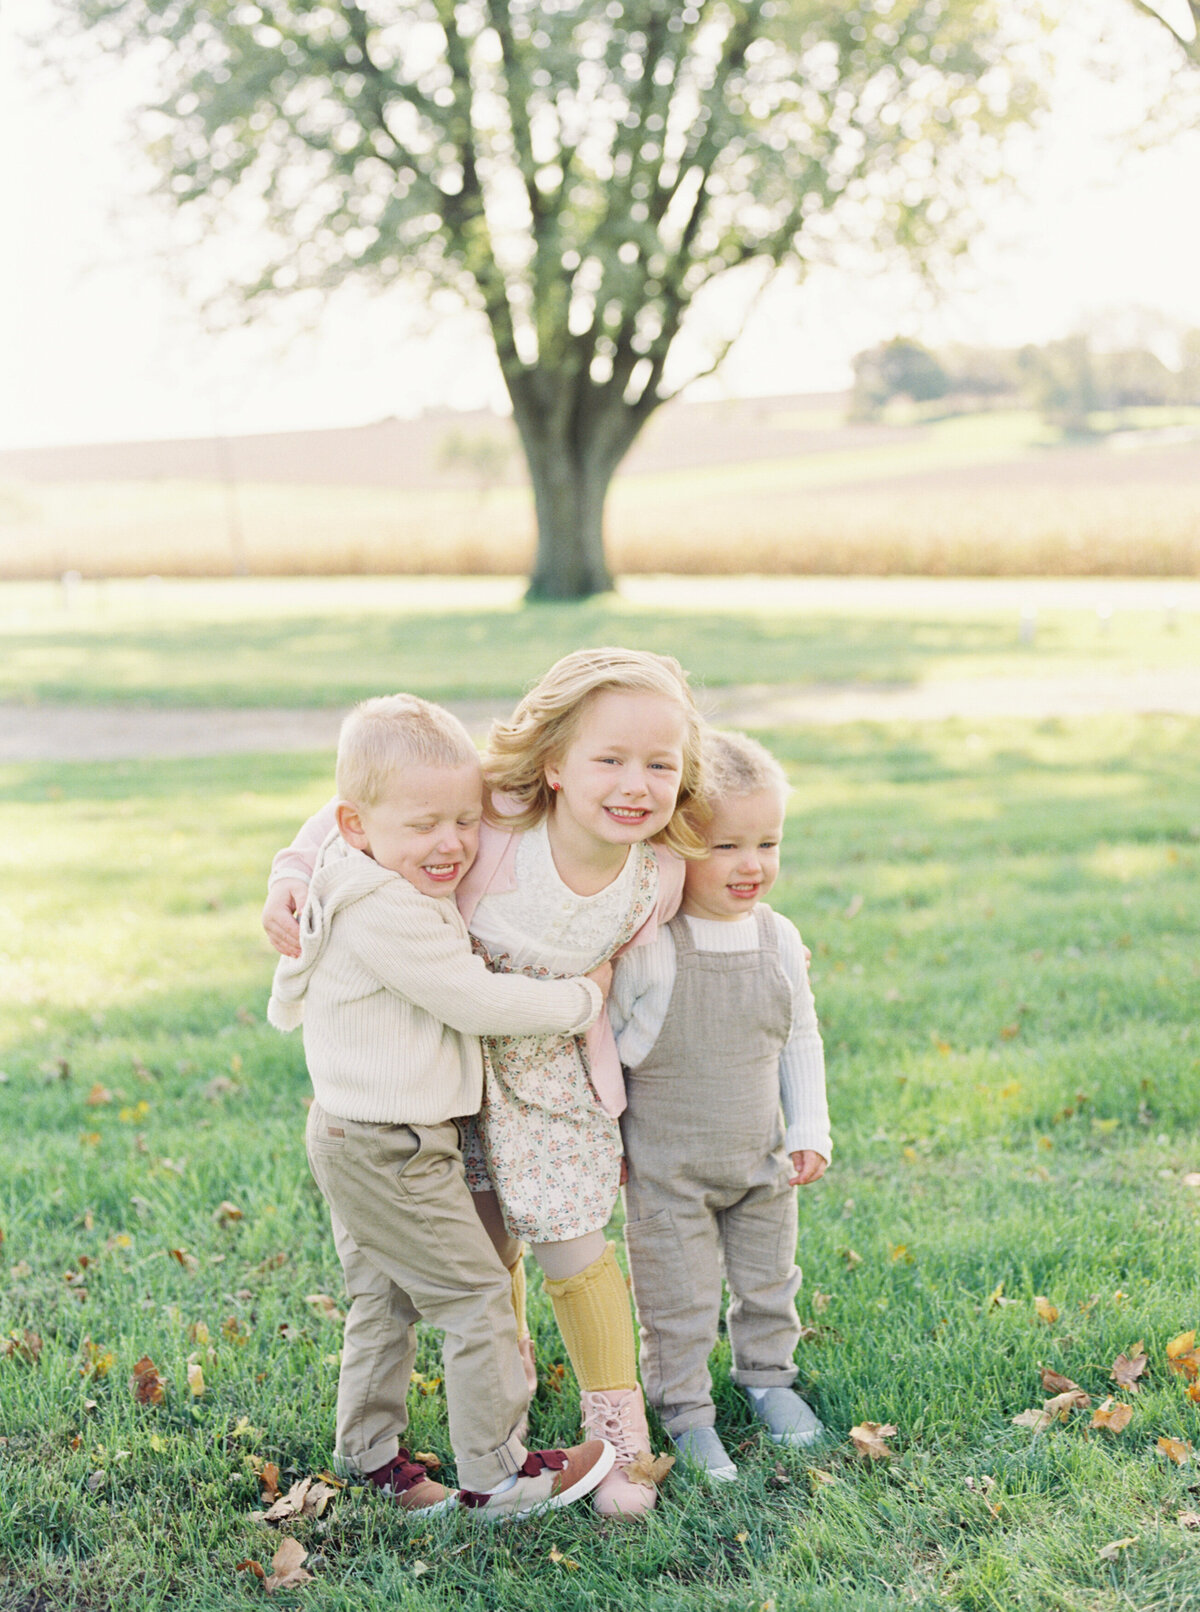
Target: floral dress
[(542, 1140)]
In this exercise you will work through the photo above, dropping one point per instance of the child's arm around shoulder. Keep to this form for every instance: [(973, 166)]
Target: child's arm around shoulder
[(802, 1067), (417, 946), (287, 886)]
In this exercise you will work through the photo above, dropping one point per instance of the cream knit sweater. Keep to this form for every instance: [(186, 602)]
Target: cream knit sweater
[(393, 1000)]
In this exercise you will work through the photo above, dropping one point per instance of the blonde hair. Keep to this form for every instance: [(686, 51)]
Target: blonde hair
[(545, 722), (735, 764), (383, 735)]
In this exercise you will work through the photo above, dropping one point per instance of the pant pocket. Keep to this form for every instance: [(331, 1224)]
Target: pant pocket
[(657, 1266)]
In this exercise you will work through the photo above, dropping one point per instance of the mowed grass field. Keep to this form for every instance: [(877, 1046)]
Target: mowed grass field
[(298, 641), (990, 494), (1005, 922)]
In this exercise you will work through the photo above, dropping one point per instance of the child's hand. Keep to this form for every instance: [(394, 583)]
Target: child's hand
[(281, 915), (809, 1167), (602, 976)]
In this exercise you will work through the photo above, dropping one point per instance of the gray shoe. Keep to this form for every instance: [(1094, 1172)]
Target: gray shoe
[(787, 1417), (700, 1447)]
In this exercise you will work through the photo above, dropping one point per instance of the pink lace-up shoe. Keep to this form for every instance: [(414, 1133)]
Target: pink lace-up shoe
[(619, 1416)]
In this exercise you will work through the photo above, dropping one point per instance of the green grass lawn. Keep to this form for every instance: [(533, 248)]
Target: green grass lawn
[(301, 643), (1004, 921)]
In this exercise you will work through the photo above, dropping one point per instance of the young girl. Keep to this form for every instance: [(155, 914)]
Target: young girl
[(581, 857)]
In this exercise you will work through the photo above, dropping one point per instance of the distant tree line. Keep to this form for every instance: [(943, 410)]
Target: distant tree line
[(1067, 381)]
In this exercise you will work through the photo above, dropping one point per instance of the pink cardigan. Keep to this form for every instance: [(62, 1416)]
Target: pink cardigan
[(494, 870)]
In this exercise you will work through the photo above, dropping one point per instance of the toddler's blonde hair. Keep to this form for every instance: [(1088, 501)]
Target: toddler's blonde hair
[(735, 765), (545, 722), (382, 736)]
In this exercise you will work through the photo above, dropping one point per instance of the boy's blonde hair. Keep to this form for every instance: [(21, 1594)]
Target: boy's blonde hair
[(545, 722), (384, 735), (735, 764)]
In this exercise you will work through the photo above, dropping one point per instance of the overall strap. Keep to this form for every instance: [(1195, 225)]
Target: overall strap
[(681, 934), (768, 935)]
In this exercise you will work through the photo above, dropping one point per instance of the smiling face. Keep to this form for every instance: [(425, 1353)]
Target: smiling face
[(618, 779), (743, 860), (425, 827)]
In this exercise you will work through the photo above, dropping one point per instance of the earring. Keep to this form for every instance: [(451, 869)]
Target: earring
[(556, 788)]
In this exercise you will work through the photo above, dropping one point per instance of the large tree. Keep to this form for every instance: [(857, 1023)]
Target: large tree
[(580, 170), (1174, 18)]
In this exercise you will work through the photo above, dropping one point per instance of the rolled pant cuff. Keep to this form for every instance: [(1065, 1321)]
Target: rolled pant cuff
[(765, 1377), (683, 1421), (370, 1460), (486, 1471)]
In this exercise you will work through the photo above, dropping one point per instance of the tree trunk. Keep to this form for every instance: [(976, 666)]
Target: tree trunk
[(572, 453)]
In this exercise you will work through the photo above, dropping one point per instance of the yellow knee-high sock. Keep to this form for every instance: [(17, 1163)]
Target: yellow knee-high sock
[(516, 1274), (593, 1315)]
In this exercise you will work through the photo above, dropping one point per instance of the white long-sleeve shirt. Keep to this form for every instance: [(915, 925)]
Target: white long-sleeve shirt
[(641, 993)]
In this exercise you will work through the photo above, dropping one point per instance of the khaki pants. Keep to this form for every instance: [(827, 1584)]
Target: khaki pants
[(411, 1245)]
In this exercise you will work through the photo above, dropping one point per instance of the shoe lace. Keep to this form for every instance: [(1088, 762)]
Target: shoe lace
[(614, 1422)]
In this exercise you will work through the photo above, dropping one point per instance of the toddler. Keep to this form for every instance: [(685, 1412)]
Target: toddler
[(717, 1030), (393, 1001)]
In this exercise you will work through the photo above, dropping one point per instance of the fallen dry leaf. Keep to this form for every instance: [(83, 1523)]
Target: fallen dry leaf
[(820, 1478), (268, 1478), (1036, 1420), (181, 1257), (1188, 1519), (1061, 1406), (1187, 1365), (251, 1566), (556, 1555), (1111, 1551), (24, 1345), (649, 1469), (288, 1571), (1127, 1368), (307, 1497), (1177, 1450), (98, 1096), (852, 1259), (1046, 1311), (1112, 1417), (195, 1379), (425, 1458), (226, 1212), (1181, 1345), (868, 1440), (1054, 1383), (324, 1306), (145, 1383)]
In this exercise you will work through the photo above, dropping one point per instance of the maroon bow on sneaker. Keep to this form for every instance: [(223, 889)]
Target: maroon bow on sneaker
[(409, 1484)]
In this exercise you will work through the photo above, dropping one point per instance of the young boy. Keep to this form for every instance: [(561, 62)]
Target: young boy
[(716, 1026), (393, 1002)]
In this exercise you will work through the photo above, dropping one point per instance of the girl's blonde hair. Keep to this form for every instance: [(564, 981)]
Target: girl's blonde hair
[(381, 737), (545, 722)]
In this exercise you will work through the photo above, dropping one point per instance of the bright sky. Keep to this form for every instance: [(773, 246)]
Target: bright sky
[(97, 345)]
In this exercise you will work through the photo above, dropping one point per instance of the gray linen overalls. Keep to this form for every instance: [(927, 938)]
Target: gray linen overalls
[(708, 1180)]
